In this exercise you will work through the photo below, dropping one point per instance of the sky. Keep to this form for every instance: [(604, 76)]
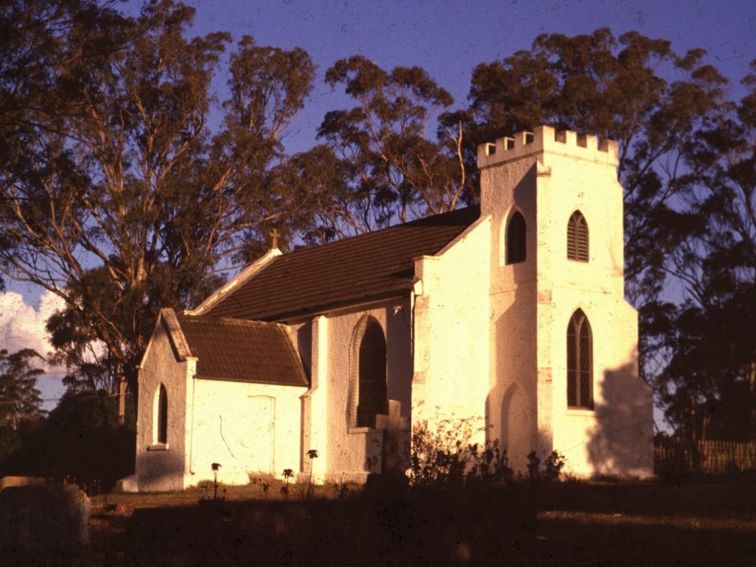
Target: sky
[(447, 38)]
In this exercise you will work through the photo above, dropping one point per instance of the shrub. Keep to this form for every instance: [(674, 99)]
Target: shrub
[(675, 469), (447, 457), (534, 464), (553, 466)]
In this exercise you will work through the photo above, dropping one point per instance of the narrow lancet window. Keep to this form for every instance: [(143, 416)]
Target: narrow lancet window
[(516, 230), (372, 396), (579, 362), (162, 416)]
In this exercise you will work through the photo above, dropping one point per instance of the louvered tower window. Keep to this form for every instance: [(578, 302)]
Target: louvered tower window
[(516, 239), (372, 398), (579, 362), (577, 237)]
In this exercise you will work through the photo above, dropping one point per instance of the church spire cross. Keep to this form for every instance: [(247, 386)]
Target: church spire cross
[(274, 236)]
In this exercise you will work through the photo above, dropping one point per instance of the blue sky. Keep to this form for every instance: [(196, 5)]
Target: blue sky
[(447, 38)]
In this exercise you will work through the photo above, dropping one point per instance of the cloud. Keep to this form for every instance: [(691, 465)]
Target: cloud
[(23, 326)]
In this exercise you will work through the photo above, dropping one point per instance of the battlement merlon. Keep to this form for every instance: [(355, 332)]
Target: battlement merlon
[(546, 139)]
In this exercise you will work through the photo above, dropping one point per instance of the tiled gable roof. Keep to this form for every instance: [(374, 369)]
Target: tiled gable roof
[(244, 351), (367, 267)]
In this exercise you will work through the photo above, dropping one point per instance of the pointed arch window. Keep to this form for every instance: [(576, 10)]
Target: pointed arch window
[(516, 230), (161, 416), (579, 362), (372, 397), (577, 237)]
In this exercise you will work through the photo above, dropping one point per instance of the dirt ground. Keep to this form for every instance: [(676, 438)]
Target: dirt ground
[(701, 522)]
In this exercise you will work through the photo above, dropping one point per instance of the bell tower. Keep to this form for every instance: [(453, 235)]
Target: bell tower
[(563, 339)]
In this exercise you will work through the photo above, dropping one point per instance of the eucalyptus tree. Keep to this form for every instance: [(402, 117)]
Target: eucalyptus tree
[(376, 164), (117, 194), (708, 385), (20, 400)]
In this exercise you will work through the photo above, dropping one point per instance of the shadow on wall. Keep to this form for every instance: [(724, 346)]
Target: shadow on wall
[(512, 398), (622, 441), (304, 347), (516, 427)]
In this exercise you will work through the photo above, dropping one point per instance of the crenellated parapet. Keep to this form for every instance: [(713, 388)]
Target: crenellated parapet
[(548, 139)]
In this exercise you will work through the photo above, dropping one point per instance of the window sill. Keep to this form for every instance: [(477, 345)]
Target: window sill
[(361, 430), (585, 412), (158, 447)]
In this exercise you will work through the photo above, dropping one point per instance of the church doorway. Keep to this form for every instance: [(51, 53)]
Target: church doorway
[(516, 428), (249, 435)]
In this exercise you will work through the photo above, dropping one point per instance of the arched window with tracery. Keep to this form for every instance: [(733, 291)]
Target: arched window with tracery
[(372, 397), (579, 362), (515, 246), (161, 416), (577, 237)]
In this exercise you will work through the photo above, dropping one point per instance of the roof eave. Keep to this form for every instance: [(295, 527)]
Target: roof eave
[(250, 381), (332, 307), (175, 335)]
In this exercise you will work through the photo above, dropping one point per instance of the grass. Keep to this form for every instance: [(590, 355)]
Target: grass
[(705, 521), (254, 491)]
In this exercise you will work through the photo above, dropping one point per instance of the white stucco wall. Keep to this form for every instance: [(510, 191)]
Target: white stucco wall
[(347, 452), (512, 388), (616, 436), (451, 331), (246, 428), (158, 467)]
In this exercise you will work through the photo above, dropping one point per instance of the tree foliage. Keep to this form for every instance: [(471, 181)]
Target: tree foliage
[(709, 384), (116, 195), (376, 165), (20, 399), (81, 441)]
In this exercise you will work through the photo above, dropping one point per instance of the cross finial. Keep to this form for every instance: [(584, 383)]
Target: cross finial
[(274, 236)]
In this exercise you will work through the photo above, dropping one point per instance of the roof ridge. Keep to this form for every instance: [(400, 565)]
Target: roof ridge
[(373, 233), (230, 321), (363, 266)]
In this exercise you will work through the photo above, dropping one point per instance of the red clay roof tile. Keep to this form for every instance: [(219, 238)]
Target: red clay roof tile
[(244, 351), (371, 266)]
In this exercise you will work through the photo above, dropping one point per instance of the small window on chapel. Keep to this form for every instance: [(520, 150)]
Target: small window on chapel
[(161, 424), (515, 246), (577, 238)]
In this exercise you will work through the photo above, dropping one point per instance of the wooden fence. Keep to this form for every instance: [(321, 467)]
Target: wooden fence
[(706, 456)]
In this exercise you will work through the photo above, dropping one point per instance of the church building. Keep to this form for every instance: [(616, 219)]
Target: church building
[(510, 315)]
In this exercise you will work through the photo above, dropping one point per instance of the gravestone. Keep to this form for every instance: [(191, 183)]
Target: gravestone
[(392, 424), (47, 517), (392, 479), (9, 481)]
